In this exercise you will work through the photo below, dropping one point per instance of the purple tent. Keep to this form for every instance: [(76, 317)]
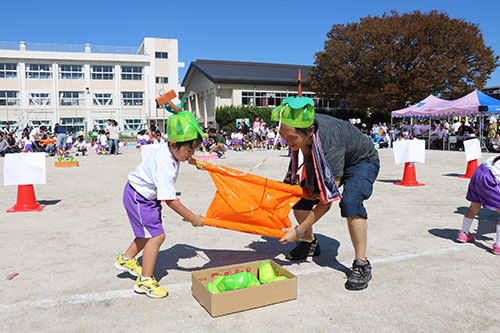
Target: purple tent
[(423, 109), (473, 104)]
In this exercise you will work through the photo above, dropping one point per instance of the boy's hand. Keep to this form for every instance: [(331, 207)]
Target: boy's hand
[(197, 222), (193, 159)]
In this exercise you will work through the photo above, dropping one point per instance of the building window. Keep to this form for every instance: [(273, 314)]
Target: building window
[(132, 124), (8, 71), (132, 73), (39, 99), (103, 73), (103, 99), (247, 98), (132, 98), (36, 71), (70, 72), (71, 98), (161, 79), (161, 55), (9, 98), (13, 124), (73, 124)]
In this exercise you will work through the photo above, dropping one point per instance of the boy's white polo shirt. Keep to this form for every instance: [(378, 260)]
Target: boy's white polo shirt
[(155, 177)]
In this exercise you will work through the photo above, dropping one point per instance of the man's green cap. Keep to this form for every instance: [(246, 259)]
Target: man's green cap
[(183, 126), (297, 112)]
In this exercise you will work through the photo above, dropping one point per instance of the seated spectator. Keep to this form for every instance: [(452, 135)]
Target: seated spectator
[(385, 142), (496, 143), (10, 145), (81, 145)]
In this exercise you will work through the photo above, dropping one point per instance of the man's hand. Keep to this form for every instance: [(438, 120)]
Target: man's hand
[(290, 235)]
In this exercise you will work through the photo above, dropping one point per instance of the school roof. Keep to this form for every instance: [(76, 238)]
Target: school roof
[(219, 71)]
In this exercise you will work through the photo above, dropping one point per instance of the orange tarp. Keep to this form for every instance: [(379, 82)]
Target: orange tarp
[(250, 203)]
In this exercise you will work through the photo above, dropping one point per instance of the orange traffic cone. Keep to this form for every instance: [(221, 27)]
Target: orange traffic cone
[(26, 200), (471, 167), (409, 176)]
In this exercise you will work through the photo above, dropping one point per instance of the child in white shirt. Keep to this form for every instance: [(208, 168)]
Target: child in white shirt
[(151, 182)]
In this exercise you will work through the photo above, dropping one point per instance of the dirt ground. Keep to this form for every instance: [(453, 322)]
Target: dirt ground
[(422, 279)]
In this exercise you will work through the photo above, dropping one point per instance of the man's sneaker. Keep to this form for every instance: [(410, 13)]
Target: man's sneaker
[(304, 250), (464, 238), (496, 249), (361, 274), (150, 287), (131, 266)]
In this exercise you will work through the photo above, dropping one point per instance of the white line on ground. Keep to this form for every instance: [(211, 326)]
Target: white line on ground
[(115, 294)]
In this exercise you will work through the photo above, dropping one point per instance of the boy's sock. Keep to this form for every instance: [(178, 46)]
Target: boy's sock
[(498, 234), (145, 278), (466, 224), (125, 258)]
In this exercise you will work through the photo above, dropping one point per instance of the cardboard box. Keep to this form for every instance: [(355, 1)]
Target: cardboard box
[(242, 299), (66, 164)]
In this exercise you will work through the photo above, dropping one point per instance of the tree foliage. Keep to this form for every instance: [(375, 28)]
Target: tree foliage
[(385, 63)]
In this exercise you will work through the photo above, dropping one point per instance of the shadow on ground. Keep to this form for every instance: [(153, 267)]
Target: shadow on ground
[(48, 202), (265, 248), (452, 174), (486, 224)]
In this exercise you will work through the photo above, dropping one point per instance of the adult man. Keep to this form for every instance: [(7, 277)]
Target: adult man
[(220, 143), (417, 129), (61, 135), (248, 140), (350, 159), (36, 135)]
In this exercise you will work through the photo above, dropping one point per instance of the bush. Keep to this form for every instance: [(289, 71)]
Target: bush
[(227, 115)]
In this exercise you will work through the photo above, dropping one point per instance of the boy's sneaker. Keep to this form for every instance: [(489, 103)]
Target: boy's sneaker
[(464, 238), (360, 276), (150, 287), (304, 250), (496, 249), (131, 266)]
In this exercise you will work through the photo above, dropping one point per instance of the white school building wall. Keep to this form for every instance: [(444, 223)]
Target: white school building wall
[(83, 85)]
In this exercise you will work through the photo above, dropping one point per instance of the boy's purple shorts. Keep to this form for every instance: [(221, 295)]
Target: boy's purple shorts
[(144, 214)]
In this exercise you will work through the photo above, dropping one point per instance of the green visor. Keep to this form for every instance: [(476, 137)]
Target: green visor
[(182, 127), (298, 112)]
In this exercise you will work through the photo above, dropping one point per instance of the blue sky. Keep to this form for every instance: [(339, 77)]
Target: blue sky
[(287, 32)]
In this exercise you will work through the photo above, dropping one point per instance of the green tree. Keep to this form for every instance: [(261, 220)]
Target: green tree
[(385, 63)]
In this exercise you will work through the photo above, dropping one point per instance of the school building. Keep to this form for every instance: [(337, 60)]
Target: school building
[(84, 85), (210, 84)]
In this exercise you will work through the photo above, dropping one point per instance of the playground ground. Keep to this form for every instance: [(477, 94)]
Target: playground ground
[(422, 279)]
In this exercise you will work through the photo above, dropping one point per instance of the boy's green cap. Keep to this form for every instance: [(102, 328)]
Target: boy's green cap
[(183, 126), (297, 112)]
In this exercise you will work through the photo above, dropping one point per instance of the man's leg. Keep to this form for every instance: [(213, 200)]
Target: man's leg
[(358, 231)]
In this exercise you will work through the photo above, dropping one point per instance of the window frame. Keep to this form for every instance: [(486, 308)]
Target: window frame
[(4, 96), (102, 99), (30, 72), (8, 73), (136, 73), (101, 74), (71, 72), (75, 101), (42, 100), (133, 97)]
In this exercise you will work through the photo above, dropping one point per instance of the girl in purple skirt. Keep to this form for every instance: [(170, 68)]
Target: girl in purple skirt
[(484, 190)]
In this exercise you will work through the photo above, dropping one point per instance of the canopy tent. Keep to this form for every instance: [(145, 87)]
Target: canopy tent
[(474, 104), (422, 109)]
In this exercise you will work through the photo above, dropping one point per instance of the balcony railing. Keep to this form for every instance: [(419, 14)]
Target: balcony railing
[(87, 48)]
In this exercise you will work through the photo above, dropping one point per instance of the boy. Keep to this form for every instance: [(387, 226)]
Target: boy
[(152, 181)]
